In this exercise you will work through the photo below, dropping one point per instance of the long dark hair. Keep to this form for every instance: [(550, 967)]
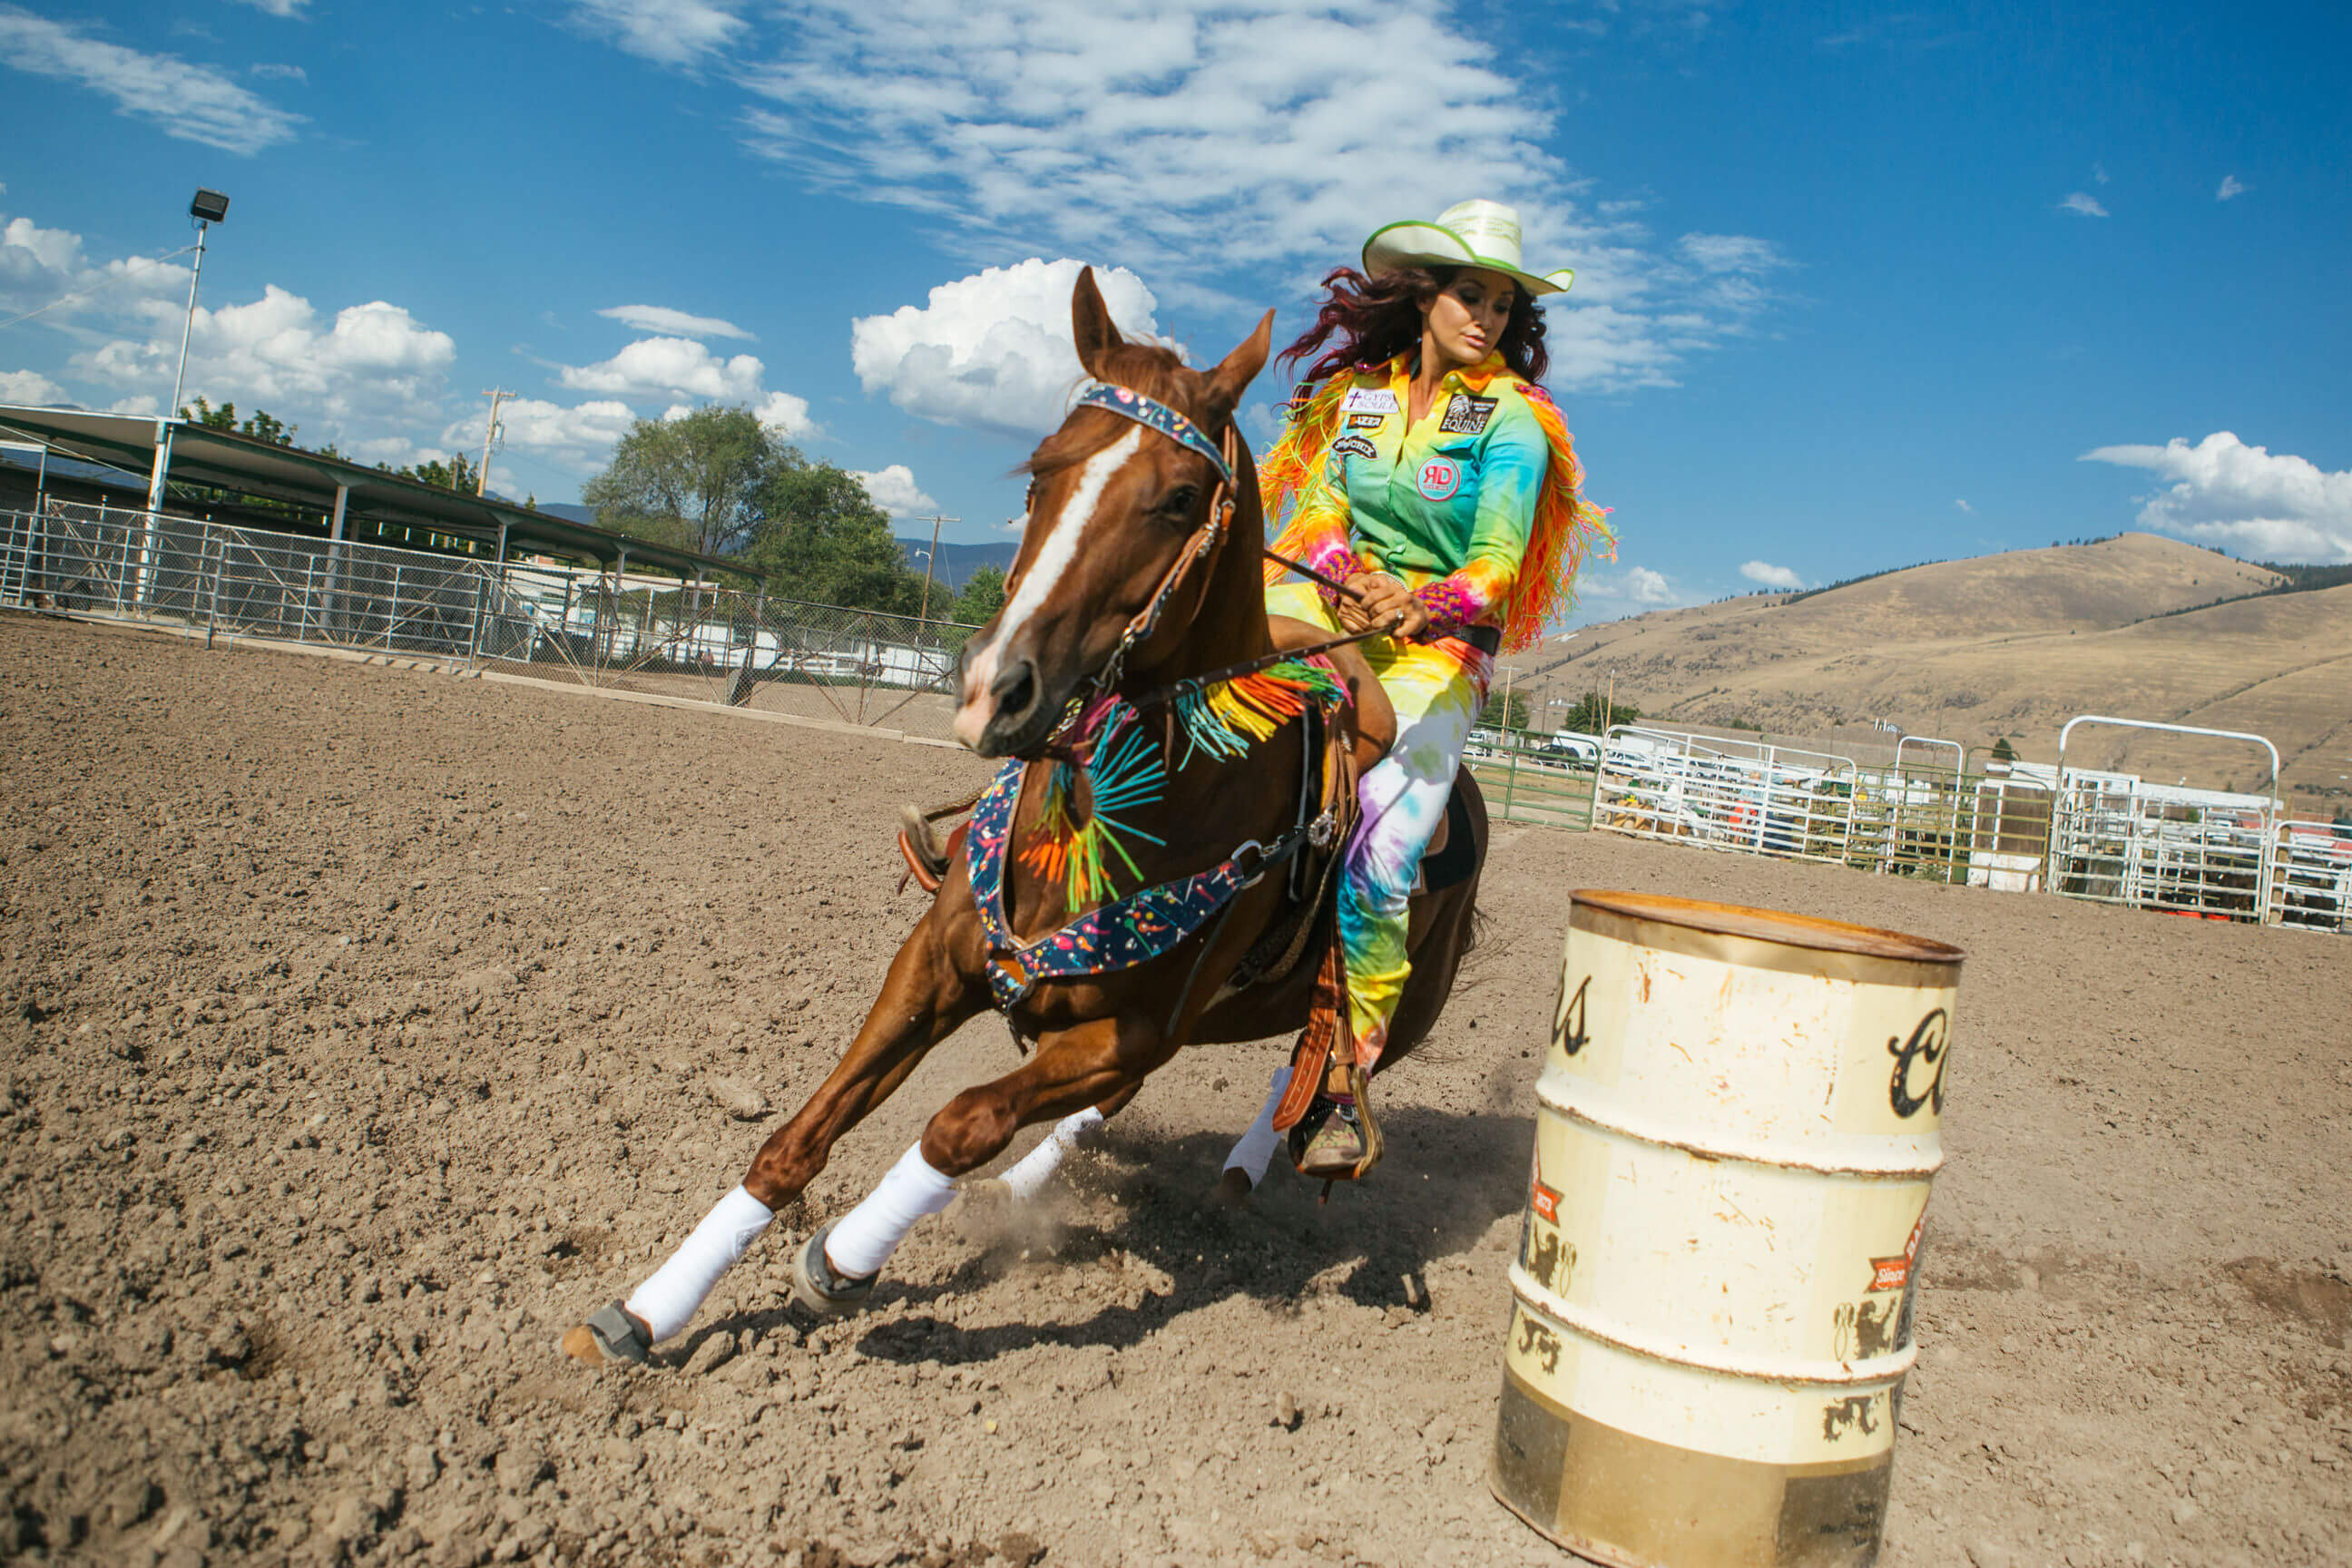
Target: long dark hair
[(1376, 319)]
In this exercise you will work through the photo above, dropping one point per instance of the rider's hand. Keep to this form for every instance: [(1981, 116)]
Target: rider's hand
[(1382, 601)]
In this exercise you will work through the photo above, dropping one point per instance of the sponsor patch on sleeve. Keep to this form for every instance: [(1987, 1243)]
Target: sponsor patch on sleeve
[(1467, 415), (1371, 400)]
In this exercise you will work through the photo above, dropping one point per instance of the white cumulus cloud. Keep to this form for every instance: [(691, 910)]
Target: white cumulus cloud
[(573, 437), (1772, 577), (1220, 146), (894, 491), (1961, 501), (991, 351), (651, 366), (372, 360), (2224, 493), (191, 102), (673, 324), (29, 386), (2230, 187), (667, 32), (2083, 204), (786, 414)]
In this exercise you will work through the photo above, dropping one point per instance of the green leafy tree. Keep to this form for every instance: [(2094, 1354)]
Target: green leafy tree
[(821, 538), (694, 483), (455, 474), (1593, 710), (261, 425), (1504, 712), (982, 596), (2002, 751)]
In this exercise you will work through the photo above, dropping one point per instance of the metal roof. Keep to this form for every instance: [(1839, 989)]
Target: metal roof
[(226, 460)]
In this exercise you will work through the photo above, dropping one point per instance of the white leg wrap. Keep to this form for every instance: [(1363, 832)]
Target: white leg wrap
[(1255, 1151), (1030, 1172), (869, 1233), (668, 1302)]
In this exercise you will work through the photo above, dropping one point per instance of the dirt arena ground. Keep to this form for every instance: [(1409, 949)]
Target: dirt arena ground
[(365, 1029)]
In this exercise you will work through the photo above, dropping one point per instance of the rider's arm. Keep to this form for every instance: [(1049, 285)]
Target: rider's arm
[(1322, 524), (1511, 470)]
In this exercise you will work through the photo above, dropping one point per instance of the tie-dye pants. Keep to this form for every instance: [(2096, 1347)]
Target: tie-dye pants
[(1437, 689)]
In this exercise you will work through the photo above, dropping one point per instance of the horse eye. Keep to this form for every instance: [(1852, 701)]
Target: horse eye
[(1178, 502)]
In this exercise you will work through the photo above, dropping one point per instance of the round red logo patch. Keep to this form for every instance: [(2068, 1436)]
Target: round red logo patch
[(1440, 478)]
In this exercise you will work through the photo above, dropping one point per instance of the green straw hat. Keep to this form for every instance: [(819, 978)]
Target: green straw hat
[(1467, 233)]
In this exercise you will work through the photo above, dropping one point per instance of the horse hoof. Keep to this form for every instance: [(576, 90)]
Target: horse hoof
[(817, 1288), (610, 1335), (1232, 1191)]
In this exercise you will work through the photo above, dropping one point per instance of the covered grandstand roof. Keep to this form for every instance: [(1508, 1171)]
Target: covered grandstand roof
[(226, 461)]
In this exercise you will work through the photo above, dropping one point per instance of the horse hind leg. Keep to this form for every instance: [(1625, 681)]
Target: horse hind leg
[(1245, 1166)]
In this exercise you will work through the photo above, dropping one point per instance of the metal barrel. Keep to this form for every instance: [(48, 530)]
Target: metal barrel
[(1711, 1304)]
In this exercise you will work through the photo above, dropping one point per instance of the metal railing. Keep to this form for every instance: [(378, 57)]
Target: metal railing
[(700, 641), (2086, 832)]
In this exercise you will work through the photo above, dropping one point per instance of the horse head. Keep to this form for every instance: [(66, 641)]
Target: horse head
[(1115, 509)]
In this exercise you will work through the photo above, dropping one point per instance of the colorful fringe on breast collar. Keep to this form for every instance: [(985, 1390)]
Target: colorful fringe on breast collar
[(1118, 772), (1567, 528)]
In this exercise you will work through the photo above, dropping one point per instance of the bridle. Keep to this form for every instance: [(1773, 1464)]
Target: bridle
[(1224, 455)]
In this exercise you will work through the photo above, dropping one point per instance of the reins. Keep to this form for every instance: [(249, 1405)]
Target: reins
[(1129, 404)]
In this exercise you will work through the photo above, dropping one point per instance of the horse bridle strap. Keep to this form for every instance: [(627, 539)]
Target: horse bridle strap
[(1129, 404)]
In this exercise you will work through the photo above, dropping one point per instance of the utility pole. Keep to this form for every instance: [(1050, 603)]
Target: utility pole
[(931, 565), (496, 395)]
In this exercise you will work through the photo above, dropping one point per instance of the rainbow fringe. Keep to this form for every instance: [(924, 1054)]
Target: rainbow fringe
[(1226, 719), (1124, 774)]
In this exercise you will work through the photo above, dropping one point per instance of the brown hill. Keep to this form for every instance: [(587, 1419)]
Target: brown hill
[(2011, 645)]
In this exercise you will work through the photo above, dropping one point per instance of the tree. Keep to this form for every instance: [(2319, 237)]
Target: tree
[(1508, 714), (982, 596), (820, 538), (457, 474), (693, 483), (2002, 751), (1593, 710), (262, 426)]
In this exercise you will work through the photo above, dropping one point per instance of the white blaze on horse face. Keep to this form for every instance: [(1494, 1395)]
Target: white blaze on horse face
[(1038, 583)]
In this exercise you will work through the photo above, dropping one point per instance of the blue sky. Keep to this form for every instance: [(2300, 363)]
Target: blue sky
[(1855, 288)]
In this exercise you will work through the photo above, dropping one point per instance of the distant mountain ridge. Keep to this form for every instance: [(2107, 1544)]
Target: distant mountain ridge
[(959, 562), (2011, 645)]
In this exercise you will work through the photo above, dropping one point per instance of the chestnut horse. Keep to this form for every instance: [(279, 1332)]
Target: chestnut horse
[(1119, 542)]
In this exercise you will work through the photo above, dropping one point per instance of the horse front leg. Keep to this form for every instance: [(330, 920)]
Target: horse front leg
[(924, 999), (1086, 1067)]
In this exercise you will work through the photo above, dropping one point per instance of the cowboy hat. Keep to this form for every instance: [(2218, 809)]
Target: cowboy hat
[(1467, 233)]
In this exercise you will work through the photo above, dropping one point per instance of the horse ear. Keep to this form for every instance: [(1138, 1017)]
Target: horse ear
[(1239, 368), (1090, 323)]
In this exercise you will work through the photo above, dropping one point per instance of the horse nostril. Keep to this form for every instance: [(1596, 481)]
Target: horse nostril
[(1016, 690)]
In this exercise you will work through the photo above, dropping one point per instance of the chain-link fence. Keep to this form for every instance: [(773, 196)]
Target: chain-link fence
[(692, 640)]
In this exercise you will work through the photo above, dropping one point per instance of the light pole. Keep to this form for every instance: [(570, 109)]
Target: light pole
[(208, 208), (930, 563)]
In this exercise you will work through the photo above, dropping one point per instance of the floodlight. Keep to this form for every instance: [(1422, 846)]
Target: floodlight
[(209, 205)]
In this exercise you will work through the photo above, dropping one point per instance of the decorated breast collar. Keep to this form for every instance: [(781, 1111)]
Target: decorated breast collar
[(1129, 404), (1124, 775)]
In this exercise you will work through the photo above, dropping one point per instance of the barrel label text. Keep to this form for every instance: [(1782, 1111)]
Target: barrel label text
[(1919, 1065), (1567, 1025)]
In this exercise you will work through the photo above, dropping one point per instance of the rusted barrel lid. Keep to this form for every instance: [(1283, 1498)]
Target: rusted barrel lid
[(1768, 925)]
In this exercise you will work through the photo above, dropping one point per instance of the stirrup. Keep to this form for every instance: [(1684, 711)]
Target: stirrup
[(818, 1290), (1339, 1139)]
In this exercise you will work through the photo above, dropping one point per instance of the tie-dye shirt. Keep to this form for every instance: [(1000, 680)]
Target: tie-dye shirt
[(1444, 504)]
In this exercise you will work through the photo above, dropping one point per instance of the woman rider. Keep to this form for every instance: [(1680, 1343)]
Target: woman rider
[(1425, 468)]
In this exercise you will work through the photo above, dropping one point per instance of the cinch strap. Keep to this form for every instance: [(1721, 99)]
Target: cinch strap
[(1131, 404)]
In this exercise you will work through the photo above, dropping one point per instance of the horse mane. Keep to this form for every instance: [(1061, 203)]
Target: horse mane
[(1156, 372)]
